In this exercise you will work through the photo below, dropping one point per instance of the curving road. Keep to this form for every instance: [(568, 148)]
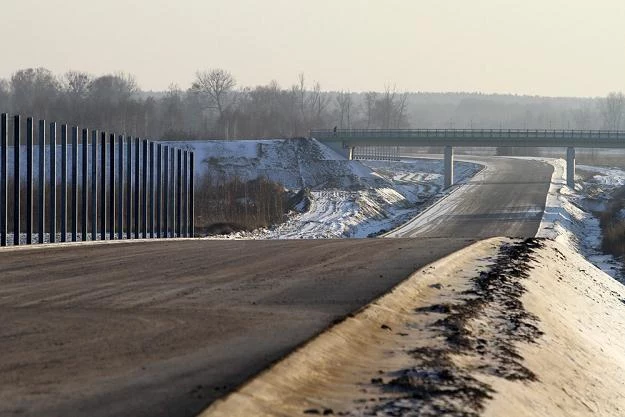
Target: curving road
[(507, 198), (164, 328)]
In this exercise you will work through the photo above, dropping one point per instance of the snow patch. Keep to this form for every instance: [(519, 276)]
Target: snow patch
[(566, 221)]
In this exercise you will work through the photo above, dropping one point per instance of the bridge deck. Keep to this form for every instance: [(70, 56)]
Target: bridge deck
[(474, 137)]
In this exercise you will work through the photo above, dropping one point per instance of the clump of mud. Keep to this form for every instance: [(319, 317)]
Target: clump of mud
[(480, 334)]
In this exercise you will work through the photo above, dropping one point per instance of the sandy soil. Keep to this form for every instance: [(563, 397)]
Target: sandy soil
[(500, 328), (163, 328)]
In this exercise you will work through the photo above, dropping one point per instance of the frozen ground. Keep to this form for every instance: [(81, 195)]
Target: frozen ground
[(568, 218)]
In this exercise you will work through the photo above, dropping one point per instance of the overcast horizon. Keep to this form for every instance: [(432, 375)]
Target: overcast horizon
[(556, 48)]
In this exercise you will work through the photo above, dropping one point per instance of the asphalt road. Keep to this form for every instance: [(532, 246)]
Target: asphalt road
[(505, 199), (164, 328)]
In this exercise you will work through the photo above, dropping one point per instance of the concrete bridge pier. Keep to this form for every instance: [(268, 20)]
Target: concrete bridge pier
[(570, 167), (449, 167)]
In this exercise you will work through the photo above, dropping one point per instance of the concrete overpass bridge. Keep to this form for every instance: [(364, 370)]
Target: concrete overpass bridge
[(347, 140)]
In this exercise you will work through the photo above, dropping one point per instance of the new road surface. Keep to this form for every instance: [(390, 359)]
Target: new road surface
[(163, 328), (507, 198)]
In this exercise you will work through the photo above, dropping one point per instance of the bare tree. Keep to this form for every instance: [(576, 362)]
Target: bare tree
[(76, 83), (216, 84), (172, 112), (582, 117), (112, 101), (612, 108), (386, 106), (301, 92), (344, 102), (5, 94), (34, 90), (318, 103), (400, 111), (370, 99)]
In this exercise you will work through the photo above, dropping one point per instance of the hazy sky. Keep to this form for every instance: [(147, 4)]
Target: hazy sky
[(545, 47)]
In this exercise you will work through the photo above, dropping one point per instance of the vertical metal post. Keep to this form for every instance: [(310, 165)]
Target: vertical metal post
[(63, 183), (16, 180), (94, 185), (128, 187), (151, 188), (166, 192), (172, 187), (144, 194), (179, 194), (103, 187), (4, 163), (42, 180), (112, 187), (29, 181), (120, 189), (192, 195), (52, 200), (137, 186), (84, 183), (159, 184), (75, 184), (185, 194)]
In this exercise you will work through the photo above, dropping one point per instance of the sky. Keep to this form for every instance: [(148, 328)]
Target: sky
[(535, 47)]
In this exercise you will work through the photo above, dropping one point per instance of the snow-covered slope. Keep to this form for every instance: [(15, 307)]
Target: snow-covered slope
[(567, 218), (295, 163), (348, 198)]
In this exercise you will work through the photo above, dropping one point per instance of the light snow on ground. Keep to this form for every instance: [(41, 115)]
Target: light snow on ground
[(295, 163), (568, 218), (348, 198), (403, 189)]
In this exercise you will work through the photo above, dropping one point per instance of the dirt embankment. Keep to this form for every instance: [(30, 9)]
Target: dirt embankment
[(500, 328)]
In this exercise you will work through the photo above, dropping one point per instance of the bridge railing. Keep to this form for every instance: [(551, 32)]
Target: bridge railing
[(90, 185), (469, 133)]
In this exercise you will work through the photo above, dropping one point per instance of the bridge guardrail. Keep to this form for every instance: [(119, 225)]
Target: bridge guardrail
[(564, 134)]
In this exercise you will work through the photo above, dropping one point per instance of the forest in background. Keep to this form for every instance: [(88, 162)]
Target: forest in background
[(214, 106)]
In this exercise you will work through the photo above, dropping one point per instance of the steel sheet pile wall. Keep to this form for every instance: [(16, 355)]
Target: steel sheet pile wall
[(98, 184)]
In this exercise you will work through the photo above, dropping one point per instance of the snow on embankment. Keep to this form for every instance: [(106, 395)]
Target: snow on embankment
[(569, 220), (348, 198), (294, 163), (503, 327)]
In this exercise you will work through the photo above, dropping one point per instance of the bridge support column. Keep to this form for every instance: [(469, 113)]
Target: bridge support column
[(570, 167), (449, 167)]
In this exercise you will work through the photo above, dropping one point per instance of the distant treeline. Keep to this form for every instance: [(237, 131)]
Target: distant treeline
[(214, 106)]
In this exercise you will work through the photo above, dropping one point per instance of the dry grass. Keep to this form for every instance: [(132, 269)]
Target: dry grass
[(223, 206), (613, 226)]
